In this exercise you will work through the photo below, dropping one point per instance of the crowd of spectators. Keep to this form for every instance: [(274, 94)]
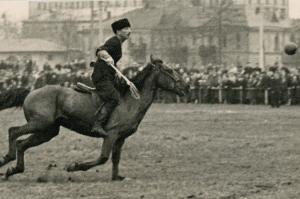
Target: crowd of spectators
[(28, 76), (238, 84)]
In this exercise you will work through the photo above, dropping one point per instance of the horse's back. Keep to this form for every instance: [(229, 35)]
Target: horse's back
[(54, 101)]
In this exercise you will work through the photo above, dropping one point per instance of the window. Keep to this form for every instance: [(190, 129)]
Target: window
[(210, 40), (196, 2), (224, 41), (238, 41), (275, 2), (108, 14), (194, 39), (267, 1), (292, 38), (249, 2), (276, 41), (283, 2), (282, 13), (258, 1), (39, 6), (85, 4), (257, 10)]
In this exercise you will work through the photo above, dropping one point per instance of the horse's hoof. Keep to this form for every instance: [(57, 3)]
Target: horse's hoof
[(3, 160), (10, 171), (73, 167), (118, 178), (3, 179)]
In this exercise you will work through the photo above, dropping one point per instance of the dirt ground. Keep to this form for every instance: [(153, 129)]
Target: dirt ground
[(179, 151)]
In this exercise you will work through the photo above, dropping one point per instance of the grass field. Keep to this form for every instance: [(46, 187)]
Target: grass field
[(179, 151)]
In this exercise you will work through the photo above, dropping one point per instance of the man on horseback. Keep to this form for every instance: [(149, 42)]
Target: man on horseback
[(103, 76)]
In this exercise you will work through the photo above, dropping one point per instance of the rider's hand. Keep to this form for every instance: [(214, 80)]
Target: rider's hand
[(109, 61)]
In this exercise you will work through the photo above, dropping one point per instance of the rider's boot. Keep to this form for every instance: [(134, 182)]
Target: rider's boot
[(102, 118)]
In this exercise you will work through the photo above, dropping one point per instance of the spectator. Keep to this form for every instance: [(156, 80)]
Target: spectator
[(212, 82), (40, 81), (275, 90)]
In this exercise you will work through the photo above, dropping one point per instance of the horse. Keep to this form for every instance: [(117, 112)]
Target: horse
[(47, 108)]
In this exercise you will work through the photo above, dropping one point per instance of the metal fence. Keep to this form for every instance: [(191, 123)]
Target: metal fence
[(237, 95)]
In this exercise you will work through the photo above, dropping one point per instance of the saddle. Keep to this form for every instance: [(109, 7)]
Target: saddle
[(82, 88)]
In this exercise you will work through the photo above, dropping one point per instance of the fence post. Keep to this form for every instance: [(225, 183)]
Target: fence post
[(289, 97), (266, 96), (200, 95), (241, 94), (220, 94)]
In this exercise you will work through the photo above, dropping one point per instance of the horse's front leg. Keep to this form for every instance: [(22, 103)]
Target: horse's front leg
[(11, 155), (107, 146), (116, 154)]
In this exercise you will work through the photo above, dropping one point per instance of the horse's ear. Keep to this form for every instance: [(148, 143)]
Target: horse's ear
[(153, 61)]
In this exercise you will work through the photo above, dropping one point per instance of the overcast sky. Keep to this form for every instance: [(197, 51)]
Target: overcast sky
[(18, 10)]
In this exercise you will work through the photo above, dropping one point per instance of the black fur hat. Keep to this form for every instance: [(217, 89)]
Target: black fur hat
[(120, 24)]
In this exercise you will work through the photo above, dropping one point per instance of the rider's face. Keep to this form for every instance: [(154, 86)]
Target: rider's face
[(124, 33)]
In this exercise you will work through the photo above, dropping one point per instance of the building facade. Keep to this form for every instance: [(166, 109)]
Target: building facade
[(39, 51), (209, 31), (110, 8), (193, 33)]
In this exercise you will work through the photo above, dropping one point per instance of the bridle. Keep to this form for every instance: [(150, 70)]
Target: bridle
[(173, 77)]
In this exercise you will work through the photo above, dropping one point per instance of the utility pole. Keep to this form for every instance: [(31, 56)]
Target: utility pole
[(100, 24), (261, 39), (220, 34), (91, 46)]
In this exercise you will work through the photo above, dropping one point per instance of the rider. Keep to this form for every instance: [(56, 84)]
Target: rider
[(103, 76)]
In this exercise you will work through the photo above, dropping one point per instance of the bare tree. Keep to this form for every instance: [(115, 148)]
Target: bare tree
[(8, 29)]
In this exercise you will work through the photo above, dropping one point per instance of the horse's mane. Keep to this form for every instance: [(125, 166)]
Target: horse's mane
[(138, 80)]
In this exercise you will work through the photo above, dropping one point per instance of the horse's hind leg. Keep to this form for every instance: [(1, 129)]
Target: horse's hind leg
[(35, 139), (107, 146), (13, 134)]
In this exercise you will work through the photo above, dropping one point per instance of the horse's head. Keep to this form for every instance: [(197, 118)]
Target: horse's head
[(168, 79)]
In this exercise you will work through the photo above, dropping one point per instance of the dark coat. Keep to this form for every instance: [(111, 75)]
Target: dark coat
[(275, 85), (101, 70)]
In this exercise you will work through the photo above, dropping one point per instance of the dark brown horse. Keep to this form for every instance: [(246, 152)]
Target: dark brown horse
[(48, 108)]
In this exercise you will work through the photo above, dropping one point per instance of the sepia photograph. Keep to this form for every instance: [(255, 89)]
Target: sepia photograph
[(166, 99)]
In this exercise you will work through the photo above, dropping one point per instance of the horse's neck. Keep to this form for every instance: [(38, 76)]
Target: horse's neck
[(147, 93)]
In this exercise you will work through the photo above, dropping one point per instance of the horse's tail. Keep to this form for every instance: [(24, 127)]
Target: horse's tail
[(13, 98)]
